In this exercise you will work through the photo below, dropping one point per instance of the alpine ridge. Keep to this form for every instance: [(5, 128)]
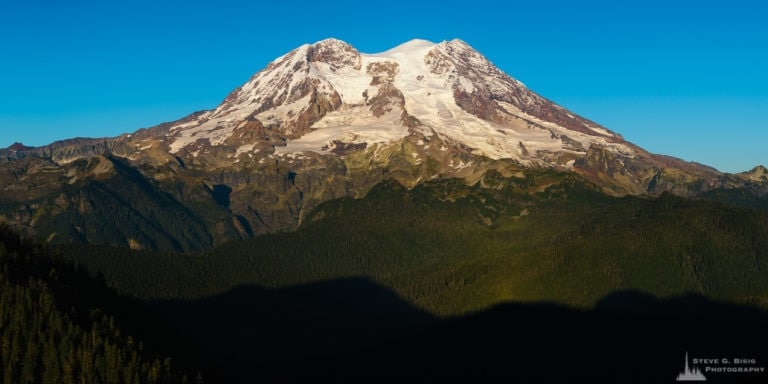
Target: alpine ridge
[(321, 122)]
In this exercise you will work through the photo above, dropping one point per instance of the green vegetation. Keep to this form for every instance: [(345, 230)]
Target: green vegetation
[(57, 325), (450, 248)]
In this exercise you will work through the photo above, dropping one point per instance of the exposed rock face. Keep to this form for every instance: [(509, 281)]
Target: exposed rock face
[(337, 54), (386, 100), (382, 72), (319, 105), (321, 122)]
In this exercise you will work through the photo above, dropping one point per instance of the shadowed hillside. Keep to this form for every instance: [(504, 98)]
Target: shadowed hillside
[(59, 325), (354, 330), (252, 331)]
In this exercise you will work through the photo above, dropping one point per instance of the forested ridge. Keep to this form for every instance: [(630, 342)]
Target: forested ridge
[(450, 248), (59, 325)]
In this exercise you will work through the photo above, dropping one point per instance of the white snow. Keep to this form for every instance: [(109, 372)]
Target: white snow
[(245, 148), (349, 125), (348, 82), (408, 48), (601, 131), (461, 165), (466, 84)]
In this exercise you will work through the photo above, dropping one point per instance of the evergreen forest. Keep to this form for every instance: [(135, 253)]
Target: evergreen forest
[(443, 282)]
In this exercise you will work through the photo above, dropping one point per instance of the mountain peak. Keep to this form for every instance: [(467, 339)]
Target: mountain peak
[(333, 52), (457, 43), (17, 146), (758, 173), (330, 41), (332, 44), (328, 92)]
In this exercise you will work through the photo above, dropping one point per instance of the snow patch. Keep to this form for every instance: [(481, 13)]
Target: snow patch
[(601, 131), (244, 148), (411, 47)]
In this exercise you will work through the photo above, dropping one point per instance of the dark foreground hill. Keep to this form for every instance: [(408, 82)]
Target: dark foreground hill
[(353, 330), (528, 279)]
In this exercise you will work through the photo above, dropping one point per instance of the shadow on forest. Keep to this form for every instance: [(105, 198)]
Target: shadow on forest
[(355, 330)]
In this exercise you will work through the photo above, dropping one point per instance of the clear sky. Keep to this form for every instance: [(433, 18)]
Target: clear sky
[(683, 78)]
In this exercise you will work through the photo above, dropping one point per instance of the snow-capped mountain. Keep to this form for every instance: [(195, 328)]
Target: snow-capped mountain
[(327, 94), (321, 122)]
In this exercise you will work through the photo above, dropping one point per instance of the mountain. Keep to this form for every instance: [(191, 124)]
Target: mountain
[(321, 122)]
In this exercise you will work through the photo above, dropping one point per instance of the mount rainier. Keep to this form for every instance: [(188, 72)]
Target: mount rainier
[(321, 122)]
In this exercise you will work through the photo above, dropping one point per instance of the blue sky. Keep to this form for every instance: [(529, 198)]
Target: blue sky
[(686, 79)]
